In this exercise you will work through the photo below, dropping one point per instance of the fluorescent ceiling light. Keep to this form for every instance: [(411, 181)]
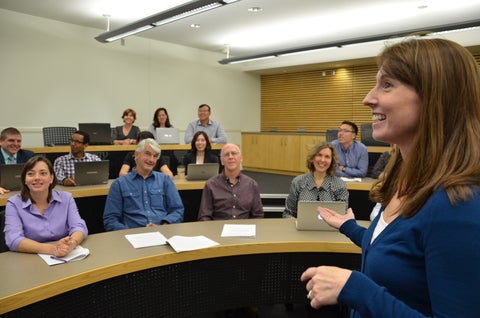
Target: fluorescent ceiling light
[(341, 43), (251, 59), (173, 14), (123, 35), (188, 13)]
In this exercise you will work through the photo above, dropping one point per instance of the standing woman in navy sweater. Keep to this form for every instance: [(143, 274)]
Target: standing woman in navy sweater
[(421, 253)]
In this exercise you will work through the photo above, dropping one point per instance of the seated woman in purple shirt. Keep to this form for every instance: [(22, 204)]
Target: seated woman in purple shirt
[(40, 219)]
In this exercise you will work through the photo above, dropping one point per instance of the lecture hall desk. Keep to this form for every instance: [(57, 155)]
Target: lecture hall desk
[(118, 280), (181, 184), (114, 153)]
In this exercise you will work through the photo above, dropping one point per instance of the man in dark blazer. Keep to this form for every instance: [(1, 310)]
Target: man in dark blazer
[(11, 152)]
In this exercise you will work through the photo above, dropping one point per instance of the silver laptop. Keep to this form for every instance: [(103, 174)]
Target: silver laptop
[(100, 133), (201, 171), (11, 176), (168, 135), (91, 172), (308, 218)]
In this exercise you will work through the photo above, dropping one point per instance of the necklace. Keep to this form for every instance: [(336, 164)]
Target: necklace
[(318, 180)]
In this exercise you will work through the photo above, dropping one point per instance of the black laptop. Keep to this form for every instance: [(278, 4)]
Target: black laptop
[(100, 133), (11, 176), (91, 172)]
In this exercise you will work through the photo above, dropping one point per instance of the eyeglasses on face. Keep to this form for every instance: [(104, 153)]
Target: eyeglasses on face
[(345, 131)]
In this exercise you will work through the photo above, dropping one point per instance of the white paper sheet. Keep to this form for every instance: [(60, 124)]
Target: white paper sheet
[(146, 239), (238, 230), (190, 243), (76, 254)]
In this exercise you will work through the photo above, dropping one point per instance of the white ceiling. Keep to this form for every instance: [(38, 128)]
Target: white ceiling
[(282, 24)]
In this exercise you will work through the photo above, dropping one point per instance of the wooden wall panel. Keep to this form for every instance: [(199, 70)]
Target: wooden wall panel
[(313, 101)]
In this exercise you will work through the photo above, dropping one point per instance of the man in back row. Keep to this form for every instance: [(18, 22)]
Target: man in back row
[(352, 155), (64, 166), (213, 129), (11, 144)]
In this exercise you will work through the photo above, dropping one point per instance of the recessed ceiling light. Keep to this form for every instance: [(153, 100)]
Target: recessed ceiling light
[(195, 25), (255, 9)]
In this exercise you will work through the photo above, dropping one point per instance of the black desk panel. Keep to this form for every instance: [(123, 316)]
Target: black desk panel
[(192, 289)]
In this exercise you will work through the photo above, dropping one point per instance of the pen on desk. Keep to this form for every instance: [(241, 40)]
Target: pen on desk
[(58, 259)]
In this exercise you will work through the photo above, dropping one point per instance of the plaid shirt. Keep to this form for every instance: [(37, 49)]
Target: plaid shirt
[(64, 167)]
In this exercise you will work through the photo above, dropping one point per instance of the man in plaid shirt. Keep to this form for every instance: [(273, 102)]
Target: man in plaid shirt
[(64, 165)]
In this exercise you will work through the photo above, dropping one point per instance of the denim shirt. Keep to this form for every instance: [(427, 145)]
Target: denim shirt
[(133, 201)]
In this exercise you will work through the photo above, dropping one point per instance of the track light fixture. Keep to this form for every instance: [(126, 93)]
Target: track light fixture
[(164, 17), (338, 44)]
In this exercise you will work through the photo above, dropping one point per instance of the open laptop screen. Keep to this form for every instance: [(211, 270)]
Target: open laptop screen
[(91, 172), (168, 135), (11, 176), (100, 133)]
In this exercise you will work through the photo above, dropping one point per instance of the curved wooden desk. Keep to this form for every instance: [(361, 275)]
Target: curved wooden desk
[(109, 148), (118, 279), (102, 189)]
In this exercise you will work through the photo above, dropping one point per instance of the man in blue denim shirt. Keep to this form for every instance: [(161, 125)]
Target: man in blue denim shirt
[(143, 197)]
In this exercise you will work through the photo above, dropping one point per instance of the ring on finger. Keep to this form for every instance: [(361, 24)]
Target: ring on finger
[(309, 295)]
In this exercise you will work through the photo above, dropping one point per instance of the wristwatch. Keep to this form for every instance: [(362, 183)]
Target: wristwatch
[(343, 169)]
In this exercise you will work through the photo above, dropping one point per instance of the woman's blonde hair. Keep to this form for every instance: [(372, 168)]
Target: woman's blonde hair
[(446, 152)]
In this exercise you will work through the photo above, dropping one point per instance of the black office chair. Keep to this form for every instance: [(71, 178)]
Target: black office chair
[(331, 134), (366, 136), (3, 245), (57, 136)]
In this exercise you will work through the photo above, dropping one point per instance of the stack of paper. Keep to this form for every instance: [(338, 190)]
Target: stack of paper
[(351, 179), (76, 254)]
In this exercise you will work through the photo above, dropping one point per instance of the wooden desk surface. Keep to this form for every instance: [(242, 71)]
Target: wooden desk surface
[(108, 148), (102, 189), (364, 185), (26, 278), (378, 149), (182, 184)]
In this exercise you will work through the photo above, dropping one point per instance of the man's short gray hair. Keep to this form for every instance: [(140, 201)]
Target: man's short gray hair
[(151, 142)]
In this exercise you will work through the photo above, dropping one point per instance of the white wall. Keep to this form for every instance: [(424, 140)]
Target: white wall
[(56, 74)]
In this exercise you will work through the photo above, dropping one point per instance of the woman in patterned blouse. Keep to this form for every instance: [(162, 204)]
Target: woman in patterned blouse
[(320, 184)]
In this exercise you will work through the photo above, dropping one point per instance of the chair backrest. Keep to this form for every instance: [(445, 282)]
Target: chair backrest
[(331, 134), (366, 136), (3, 245), (56, 136)]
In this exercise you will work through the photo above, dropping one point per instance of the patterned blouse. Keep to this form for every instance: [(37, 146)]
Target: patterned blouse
[(303, 188)]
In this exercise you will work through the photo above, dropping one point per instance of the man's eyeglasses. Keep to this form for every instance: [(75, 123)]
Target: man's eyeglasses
[(74, 141), (345, 131)]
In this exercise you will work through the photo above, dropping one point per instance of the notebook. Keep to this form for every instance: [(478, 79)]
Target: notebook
[(91, 172), (201, 171), (11, 176), (168, 135), (308, 218), (100, 133)]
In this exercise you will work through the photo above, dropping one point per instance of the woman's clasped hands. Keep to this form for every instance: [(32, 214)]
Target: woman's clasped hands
[(64, 246)]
